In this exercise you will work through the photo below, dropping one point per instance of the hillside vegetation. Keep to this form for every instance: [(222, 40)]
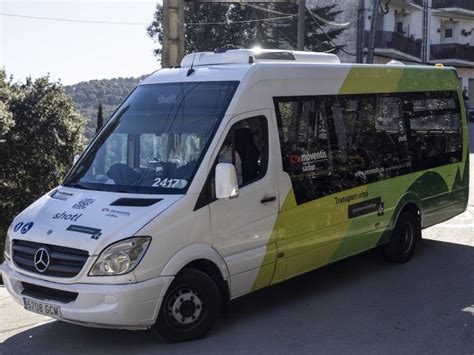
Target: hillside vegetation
[(110, 92)]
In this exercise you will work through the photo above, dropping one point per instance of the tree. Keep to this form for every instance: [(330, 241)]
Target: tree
[(197, 37), (110, 93), (268, 34), (6, 117), (100, 118), (318, 37), (39, 145)]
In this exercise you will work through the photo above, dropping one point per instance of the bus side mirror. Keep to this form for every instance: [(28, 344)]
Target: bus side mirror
[(227, 186), (76, 158)]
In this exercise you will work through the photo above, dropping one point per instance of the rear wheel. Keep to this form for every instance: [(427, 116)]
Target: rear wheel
[(189, 308), (405, 236)]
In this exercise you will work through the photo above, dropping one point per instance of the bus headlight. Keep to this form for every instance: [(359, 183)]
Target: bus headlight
[(121, 257)]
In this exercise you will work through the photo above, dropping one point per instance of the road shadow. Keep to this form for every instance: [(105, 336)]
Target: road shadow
[(358, 305)]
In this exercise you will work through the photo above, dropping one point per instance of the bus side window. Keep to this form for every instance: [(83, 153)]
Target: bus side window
[(435, 129), (333, 143), (392, 136), (366, 139), (346, 159), (304, 141), (246, 147)]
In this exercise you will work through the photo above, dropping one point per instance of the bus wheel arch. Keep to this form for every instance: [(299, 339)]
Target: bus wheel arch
[(193, 253), (211, 269), (410, 202), (411, 207)]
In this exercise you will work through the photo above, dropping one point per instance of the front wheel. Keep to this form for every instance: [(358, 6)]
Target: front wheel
[(190, 307), (405, 236)]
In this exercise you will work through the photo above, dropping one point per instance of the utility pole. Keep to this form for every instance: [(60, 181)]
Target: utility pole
[(360, 32), (373, 32), (173, 33), (424, 33), (301, 34)]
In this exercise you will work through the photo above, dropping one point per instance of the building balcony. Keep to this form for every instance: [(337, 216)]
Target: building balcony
[(452, 54), (463, 7), (395, 45)]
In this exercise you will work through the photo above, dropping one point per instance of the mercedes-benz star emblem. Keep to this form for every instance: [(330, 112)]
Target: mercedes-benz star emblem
[(42, 259)]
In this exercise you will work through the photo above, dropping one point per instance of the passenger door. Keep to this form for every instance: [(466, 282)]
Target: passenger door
[(242, 226)]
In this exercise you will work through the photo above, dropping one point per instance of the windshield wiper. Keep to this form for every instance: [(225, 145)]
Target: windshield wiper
[(76, 185), (80, 186)]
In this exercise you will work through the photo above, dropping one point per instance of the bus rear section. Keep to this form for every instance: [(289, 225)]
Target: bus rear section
[(390, 146)]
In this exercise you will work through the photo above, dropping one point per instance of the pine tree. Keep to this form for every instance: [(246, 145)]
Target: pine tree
[(100, 118)]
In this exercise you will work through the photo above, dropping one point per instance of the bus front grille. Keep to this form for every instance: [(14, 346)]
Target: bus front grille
[(61, 261)]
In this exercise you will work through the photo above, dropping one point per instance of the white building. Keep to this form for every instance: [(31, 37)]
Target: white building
[(449, 36)]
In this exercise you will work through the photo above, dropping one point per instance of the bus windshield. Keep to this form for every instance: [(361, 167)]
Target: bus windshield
[(155, 140)]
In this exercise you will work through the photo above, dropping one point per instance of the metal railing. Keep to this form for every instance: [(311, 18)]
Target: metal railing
[(452, 51), (394, 40), (463, 4)]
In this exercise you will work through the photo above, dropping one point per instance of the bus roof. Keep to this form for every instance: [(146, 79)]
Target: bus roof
[(240, 64)]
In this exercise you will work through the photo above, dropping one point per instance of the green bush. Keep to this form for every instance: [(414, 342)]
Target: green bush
[(40, 132)]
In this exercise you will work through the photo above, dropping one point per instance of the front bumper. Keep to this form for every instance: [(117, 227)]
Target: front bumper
[(128, 306)]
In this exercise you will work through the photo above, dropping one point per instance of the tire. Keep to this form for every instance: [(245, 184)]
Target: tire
[(190, 307), (405, 237)]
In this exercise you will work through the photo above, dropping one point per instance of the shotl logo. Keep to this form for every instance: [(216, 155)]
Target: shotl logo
[(85, 202), (67, 216)]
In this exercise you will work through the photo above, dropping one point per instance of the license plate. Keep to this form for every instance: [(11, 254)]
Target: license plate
[(46, 309)]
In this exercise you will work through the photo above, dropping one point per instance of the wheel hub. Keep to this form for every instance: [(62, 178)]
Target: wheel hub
[(185, 306)]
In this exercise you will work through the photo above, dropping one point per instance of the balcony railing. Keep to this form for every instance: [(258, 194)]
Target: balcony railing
[(394, 40), (452, 51), (462, 4)]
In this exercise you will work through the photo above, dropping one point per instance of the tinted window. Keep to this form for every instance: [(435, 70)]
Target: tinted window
[(311, 143), (333, 143), (435, 130), (246, 147)]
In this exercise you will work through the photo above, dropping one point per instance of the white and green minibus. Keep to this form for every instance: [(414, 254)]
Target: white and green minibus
[(235, 171)]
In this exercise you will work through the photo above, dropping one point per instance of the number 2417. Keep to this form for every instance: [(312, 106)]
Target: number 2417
[(166, 183)]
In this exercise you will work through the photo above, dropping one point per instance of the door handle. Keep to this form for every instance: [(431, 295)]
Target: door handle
[(266, 199)]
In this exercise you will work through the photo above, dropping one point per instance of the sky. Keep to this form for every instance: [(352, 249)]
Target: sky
[(74, 52)]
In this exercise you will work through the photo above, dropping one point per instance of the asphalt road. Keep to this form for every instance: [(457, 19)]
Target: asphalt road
[(359, 305)]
